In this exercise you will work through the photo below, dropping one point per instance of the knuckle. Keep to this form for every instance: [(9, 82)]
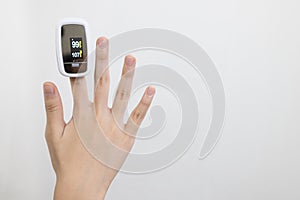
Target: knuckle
[(145, 103), (52, 107), (129, 143), (48, 136), (138, 116), (49, 139), (104, 79), (123, 94)]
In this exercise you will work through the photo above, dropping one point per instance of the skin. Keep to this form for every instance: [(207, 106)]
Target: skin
[(79, 176)]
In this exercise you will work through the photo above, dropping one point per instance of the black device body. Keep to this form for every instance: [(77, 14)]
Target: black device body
[(74, 48)]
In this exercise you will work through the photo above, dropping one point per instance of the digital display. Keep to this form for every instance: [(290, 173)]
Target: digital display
[(76, 48)]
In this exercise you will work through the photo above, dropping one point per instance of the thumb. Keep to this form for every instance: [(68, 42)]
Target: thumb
[(54, 111)]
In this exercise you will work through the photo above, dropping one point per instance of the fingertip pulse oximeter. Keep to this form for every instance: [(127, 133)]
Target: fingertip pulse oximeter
[(72, 47)]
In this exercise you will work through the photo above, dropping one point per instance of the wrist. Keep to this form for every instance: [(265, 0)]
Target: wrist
[(72, 190)]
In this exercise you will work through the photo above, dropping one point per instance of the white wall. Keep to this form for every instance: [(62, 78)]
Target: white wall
[(255, 46)]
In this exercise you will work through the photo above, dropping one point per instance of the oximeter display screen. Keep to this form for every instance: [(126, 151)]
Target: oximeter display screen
[(74, 48)]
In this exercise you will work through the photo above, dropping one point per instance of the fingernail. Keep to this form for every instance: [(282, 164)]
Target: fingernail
[(130, 61), (48, 90), (150, 91), (102, 42)]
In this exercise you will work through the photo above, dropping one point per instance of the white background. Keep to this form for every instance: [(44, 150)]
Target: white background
[(255, 46)]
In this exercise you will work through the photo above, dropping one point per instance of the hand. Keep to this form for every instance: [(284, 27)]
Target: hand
[(78, 174)]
